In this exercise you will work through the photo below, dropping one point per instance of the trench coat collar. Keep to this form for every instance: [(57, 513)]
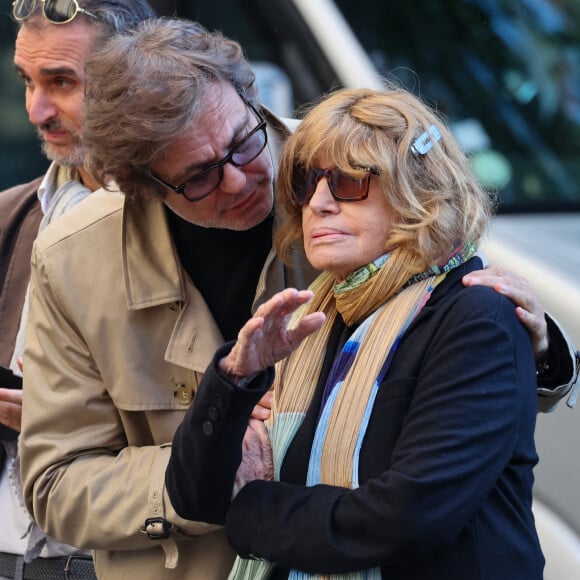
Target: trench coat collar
[(150, 262)]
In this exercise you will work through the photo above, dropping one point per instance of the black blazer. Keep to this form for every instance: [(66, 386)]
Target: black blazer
[(445, 468)]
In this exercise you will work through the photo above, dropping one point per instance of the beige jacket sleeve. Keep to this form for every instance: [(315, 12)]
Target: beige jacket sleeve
[(88, 481)]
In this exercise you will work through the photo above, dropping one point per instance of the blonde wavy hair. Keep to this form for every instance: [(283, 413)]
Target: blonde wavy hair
[(437, 200)]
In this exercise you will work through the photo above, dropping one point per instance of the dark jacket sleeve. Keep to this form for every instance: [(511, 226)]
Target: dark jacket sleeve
[(561, 374), (207, 446), (474, 398)]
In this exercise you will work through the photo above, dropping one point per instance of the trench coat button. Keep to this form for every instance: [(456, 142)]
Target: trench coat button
[(183, 395), (207, 428), (213, 414)]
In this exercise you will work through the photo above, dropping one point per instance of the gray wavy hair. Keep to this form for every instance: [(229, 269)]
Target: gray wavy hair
[(145, 87), (111, 16)]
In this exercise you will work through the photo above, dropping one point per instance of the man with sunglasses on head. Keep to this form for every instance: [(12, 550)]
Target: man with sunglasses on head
[(133, 293), (53, 41)]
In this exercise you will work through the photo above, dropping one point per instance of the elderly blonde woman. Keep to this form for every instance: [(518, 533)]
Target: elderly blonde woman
[(402, 427)]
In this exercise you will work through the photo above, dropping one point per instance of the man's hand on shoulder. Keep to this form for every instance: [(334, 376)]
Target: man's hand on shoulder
[(528, 307)]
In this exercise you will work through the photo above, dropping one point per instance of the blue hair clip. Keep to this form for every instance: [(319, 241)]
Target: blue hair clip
[(426, 140)]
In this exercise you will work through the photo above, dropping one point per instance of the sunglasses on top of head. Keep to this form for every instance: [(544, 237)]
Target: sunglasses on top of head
[(55, 11), (342, 186)]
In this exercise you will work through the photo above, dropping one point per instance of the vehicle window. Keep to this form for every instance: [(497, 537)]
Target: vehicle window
[(505, 74), (275, 38)]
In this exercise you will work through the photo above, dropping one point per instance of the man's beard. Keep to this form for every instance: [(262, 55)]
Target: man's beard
[(72, 156)]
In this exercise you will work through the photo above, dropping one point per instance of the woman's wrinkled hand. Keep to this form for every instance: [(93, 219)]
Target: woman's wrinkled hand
[(265, 338), (257, 460)]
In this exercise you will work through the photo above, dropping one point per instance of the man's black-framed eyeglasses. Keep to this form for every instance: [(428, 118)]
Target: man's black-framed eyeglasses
[(55, 11), (342, 186), (206, 182)]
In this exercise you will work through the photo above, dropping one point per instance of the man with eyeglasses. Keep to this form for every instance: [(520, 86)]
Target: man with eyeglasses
[(133, 293), (54, 39)]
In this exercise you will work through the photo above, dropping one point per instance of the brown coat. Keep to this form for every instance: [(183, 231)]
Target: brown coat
[(20, 216)]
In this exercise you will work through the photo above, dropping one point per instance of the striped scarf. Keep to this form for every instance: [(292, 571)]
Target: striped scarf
[(383, 298)]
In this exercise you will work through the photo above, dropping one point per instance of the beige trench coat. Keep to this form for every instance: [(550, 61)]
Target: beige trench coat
[(117, 343)]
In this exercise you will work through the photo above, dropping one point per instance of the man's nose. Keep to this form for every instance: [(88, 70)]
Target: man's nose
[(41, 108), (234, 178)]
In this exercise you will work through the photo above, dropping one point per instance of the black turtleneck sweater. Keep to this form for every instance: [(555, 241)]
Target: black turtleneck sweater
[(224, 265)]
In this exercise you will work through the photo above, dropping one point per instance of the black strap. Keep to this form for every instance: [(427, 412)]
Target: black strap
[(63, 568)]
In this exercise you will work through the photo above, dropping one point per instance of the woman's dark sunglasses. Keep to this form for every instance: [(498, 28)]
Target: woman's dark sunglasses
[(56, 11), (206, 182), (342, 186)]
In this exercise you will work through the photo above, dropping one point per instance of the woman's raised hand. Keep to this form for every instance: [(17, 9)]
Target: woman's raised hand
[(265, 338)]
